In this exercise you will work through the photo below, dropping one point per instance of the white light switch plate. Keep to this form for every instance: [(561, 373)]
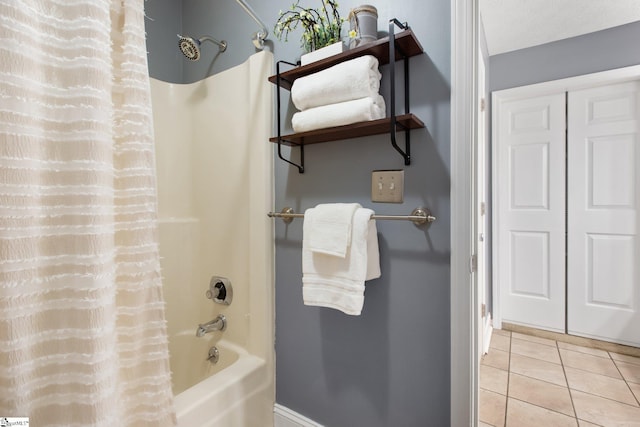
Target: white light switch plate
[(387, 186)]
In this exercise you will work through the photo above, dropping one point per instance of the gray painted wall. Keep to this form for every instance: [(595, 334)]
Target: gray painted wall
[(603, 50), (163, 21), (391, 365)]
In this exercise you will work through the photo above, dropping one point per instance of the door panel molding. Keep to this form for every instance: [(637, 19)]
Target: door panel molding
[(530, 207), (597, 113), (603, 285)]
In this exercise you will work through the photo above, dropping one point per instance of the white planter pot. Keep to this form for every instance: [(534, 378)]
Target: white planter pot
[(324, 52)]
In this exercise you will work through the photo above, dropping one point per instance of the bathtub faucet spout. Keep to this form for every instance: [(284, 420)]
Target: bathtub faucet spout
[(217, 324)]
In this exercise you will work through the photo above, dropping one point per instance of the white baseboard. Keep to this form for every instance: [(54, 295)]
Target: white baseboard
[(488, 331), (285, 417)]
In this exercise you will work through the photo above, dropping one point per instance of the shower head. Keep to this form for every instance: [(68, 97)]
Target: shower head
[(190, 47)]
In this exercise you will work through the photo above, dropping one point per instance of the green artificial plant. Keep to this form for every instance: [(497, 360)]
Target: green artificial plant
[(321, 27)]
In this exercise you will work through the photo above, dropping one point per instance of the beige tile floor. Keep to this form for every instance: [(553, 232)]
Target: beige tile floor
[(527, 381)]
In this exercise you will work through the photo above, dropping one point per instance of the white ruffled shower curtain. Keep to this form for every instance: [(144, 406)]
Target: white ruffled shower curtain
[(82, 328)]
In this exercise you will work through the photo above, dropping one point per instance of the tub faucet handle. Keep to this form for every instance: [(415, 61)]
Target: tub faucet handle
[(220, 290), (214, 292)]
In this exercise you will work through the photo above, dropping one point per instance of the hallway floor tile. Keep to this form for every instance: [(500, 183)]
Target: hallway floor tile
[(532, 381)]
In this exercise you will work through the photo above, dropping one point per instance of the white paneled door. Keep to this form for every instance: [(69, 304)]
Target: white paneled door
[(529, 177), (603, 273), (567, 182)]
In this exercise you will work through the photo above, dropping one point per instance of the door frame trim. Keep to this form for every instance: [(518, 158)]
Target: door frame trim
[(464, 376), (585, 81), (617, 75)]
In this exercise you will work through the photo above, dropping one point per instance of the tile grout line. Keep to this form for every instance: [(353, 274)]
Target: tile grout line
[(506, 398), (592, 394), (605, 398), (491, 391), (596, 373), (559, 348), (566, 380), (592, 372), (538, 379), (540, 406), (546, 409), (624, 379)]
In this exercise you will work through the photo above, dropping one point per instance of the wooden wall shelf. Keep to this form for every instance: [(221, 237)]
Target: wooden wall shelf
[(355, 130), (406, 46), (388, 49)]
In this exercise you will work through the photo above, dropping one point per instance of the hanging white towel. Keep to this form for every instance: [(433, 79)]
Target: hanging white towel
[(342, 113), (331, 228), (353, 79), (334, 282)]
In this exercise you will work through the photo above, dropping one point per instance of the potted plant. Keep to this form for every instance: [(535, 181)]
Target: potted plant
[(320, 28)]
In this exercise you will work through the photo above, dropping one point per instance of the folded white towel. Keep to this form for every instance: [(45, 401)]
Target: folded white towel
[(330, 228), (353, 79), (334, 282), (342, 113)]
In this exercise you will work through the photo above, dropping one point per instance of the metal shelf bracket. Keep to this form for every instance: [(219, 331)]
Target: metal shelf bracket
[(406, 153), (280, 139), (401, 50)]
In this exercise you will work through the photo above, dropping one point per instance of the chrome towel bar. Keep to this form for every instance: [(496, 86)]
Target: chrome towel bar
[(419, 216)]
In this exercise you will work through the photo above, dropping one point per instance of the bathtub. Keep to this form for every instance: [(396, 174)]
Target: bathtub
[(225, 394), (215, 187), (189, 358)]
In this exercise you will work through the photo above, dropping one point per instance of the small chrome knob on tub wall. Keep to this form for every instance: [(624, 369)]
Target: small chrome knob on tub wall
[(214, 355), (220, 290)]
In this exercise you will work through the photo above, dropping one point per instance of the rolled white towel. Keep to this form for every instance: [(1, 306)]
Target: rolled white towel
[(342, 113), (353, 79)]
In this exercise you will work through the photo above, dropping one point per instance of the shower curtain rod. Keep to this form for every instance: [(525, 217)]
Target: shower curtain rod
[(258, 37), (419, 216)]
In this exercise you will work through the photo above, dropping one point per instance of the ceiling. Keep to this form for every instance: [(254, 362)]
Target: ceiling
[(516, 24)]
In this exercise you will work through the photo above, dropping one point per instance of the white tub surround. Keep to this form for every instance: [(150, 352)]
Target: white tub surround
[(215, 183)]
